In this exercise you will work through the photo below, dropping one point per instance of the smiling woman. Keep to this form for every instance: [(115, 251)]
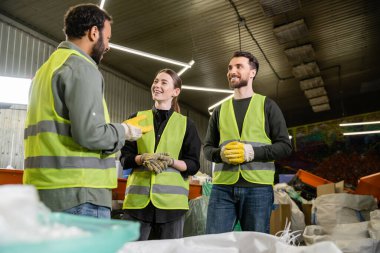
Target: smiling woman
[(14, 90)]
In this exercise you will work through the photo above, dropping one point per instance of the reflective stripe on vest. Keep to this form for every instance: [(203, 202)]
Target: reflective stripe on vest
[(253, 132), (52, 158), (167, 190)]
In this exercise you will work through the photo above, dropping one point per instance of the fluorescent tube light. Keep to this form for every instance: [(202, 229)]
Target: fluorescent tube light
[(359, 123), (364, 132), (185, 68), (221, 101), (148, 55), (187, 87), (102, 4)]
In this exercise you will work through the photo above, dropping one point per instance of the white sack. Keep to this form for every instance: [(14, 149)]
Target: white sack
[(232, 242), (374, 225), (350, 238), (342, 208)]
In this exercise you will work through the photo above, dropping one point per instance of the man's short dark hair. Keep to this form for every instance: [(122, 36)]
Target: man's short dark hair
[(80, 18), (253, 62)]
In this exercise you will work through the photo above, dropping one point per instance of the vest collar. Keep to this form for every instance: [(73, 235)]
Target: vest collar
[(69, 45)]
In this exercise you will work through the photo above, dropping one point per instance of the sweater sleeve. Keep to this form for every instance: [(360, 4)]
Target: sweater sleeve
[(82, 88), (211, 148), (191, 149), (129, 152), (276, 129)]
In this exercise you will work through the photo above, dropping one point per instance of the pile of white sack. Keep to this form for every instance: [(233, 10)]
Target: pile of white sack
[(351, 221), (23, 218), (232, 242)]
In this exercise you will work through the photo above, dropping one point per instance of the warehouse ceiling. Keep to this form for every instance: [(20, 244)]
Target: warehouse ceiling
[(319, 60)]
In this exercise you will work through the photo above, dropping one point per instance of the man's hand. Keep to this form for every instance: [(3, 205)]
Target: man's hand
[(135, 122), (132, 133), (236, 153)]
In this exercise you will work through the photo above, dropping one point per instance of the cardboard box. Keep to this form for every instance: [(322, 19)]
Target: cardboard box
[(330, 188), (306, 209), (280, 214)]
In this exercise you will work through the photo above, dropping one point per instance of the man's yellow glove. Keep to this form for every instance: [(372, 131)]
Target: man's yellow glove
[(236, 153), (135, 122)]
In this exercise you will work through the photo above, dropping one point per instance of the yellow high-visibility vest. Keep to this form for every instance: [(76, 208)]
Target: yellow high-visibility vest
[(52, 158), (253, 132), (167, 190)]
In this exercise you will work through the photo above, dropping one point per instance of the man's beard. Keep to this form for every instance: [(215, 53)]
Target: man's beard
[(98, 50), (240, 84)]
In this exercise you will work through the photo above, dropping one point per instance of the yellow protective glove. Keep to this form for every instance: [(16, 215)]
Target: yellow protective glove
[(236, 153), (153, 156), (156, 162), (155, 165), (167, 159), (135, 122)]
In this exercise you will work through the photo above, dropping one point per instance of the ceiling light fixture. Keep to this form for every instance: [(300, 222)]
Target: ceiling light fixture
[(188, 87), (148, 55), (102, 4), (185, 68), (218, 103), (364, 132), (359, 123)]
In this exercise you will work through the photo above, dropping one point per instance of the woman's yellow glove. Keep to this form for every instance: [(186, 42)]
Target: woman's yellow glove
[(135, 122)]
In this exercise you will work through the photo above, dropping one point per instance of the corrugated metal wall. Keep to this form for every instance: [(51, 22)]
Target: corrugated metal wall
[(201, 123), (12, 136), (22, 52)]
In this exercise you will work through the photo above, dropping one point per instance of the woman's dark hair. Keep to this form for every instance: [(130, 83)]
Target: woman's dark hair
[(177, 84), (80, 18), (253, 62)]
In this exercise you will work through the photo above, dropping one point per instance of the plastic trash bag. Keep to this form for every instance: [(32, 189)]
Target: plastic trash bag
[(26, 225), (232, 242), (281, 197), (195, 218)]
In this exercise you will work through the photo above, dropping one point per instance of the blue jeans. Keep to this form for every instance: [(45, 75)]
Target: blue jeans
[(252, 206), (169, 230), (88, 209)]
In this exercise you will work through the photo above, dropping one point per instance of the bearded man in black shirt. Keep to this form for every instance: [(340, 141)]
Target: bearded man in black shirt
[(244, 137)]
